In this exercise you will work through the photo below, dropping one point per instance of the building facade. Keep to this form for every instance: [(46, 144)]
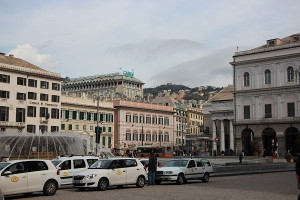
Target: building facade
[(142, 124), (219, 110), (29, 97), (116, 85), (267, 96), (80, 115)]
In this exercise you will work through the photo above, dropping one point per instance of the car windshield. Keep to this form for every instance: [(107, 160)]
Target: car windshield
[(101, 164), (2, 165), (56, 162), (176, 163)]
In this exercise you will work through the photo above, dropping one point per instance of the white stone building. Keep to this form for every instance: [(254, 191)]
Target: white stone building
[(29, 97), (267, 96)]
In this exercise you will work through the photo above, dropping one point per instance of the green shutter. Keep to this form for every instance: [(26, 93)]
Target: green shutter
[(81, 116), (95, 117), (109, 140), (67, 114), (103, 140), (103, 129), (74, 114), (101, 117), (70, 127), (109, 129), (62, 126), (89, 116)]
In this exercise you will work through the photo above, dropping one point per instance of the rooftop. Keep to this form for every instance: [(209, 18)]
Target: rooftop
[(224, 95)]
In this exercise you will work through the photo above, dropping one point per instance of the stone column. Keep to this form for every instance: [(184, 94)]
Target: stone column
[(231, 137), (214, 134), (222, 138)]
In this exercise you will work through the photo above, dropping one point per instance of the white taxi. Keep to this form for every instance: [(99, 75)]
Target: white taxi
[(28, 176), (70, 165), (182, 170), (111, 172)]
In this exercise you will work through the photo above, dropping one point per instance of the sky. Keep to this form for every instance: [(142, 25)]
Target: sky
[(188, 42)]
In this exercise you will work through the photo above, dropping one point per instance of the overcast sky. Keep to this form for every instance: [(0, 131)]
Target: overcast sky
[(179, 41)]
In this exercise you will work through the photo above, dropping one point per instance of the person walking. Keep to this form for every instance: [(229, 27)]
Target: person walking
[(152, 167), (241, 157)]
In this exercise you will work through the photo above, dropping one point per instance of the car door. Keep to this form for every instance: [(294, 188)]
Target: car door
[(17, 181), (201, 168), (78, 166), (133, 171), (66, 173), (190, 173), (91, 161), (118, 173), (37, 175)]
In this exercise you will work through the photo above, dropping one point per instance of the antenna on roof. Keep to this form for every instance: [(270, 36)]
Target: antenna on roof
[(237, 48)]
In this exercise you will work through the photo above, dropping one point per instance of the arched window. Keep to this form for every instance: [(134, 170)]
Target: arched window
[(246, 79), (290, 74), (267, 77)]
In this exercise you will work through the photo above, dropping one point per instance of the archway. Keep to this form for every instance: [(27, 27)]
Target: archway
[(291, 135), (247, 138), (269, 141)]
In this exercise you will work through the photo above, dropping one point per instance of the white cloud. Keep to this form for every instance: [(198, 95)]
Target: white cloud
[(31, 54)]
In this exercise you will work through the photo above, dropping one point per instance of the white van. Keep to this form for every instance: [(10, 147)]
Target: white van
[(70, 165)]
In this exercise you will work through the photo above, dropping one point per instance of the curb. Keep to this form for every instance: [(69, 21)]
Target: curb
[(249, 172)]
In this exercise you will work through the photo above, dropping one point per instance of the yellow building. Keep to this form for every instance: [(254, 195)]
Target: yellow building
[(194, 121), (79, 115)]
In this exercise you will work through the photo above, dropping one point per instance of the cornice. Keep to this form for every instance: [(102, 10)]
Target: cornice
[(273, 90)]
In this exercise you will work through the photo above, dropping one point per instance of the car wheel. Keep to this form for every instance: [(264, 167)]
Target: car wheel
[(81, 189), (180, 179), (102, 184), (205, 178), (140, 182), (157, 182), (50, 188)]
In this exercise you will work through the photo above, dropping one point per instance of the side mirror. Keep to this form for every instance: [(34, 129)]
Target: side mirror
[(7, 173), (59, 168)]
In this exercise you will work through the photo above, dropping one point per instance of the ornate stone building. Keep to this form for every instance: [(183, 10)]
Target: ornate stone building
[(115, 85), (218, 114), (267, 96)]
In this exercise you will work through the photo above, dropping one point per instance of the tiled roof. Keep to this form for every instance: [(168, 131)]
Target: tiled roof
[(283, 41), (11, 60), (224, 95)]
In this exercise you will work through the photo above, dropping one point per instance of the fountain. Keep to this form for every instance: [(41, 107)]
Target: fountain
[(21, 145)]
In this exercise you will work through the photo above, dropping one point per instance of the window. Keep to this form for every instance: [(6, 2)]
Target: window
[(44, 97), (154, 120), (44, 112), (31, 128), (54, 129), (246, 79), (81, 115), (34, 166), (191, 164), (109, 141), (17, 168), (130, 163), (55, 98), (142, 137), (135, 119), (291, 109), (117, 164), (148, 120), (267, 77), (167, 122), (32, 83), (246, 112), (79, 164), (32, 95), (268, 110), (148, 137), (20, 115), (77, 127), (4, 78), (103, 129), (21, 96), (142, 119), (31, 111), (4, 94), (101, 117), (103, 140), (56, 86), (70, 127), (44, 85), (67, 114), (91, 128), (63, 126), (160, 120), (65, 165), (166, 138), (135, 137), (91, 161), (43, 128), (128, 136), (84, 127), (161, 138), (54, 113), (290, 74), (109, 129), (128, 118), (74, 115), (154, 137), (21, 81), (89, 116)]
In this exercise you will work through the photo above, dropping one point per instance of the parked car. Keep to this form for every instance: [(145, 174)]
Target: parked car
[(28, 176), (182, 170), (111, 172), (70, 165)]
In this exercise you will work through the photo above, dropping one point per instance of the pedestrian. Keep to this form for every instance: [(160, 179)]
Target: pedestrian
[(174, 154), (152, 167), (264, 153), (241, 157), (222, 153)]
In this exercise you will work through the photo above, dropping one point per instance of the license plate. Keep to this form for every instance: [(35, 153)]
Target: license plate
[(75, 181)]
